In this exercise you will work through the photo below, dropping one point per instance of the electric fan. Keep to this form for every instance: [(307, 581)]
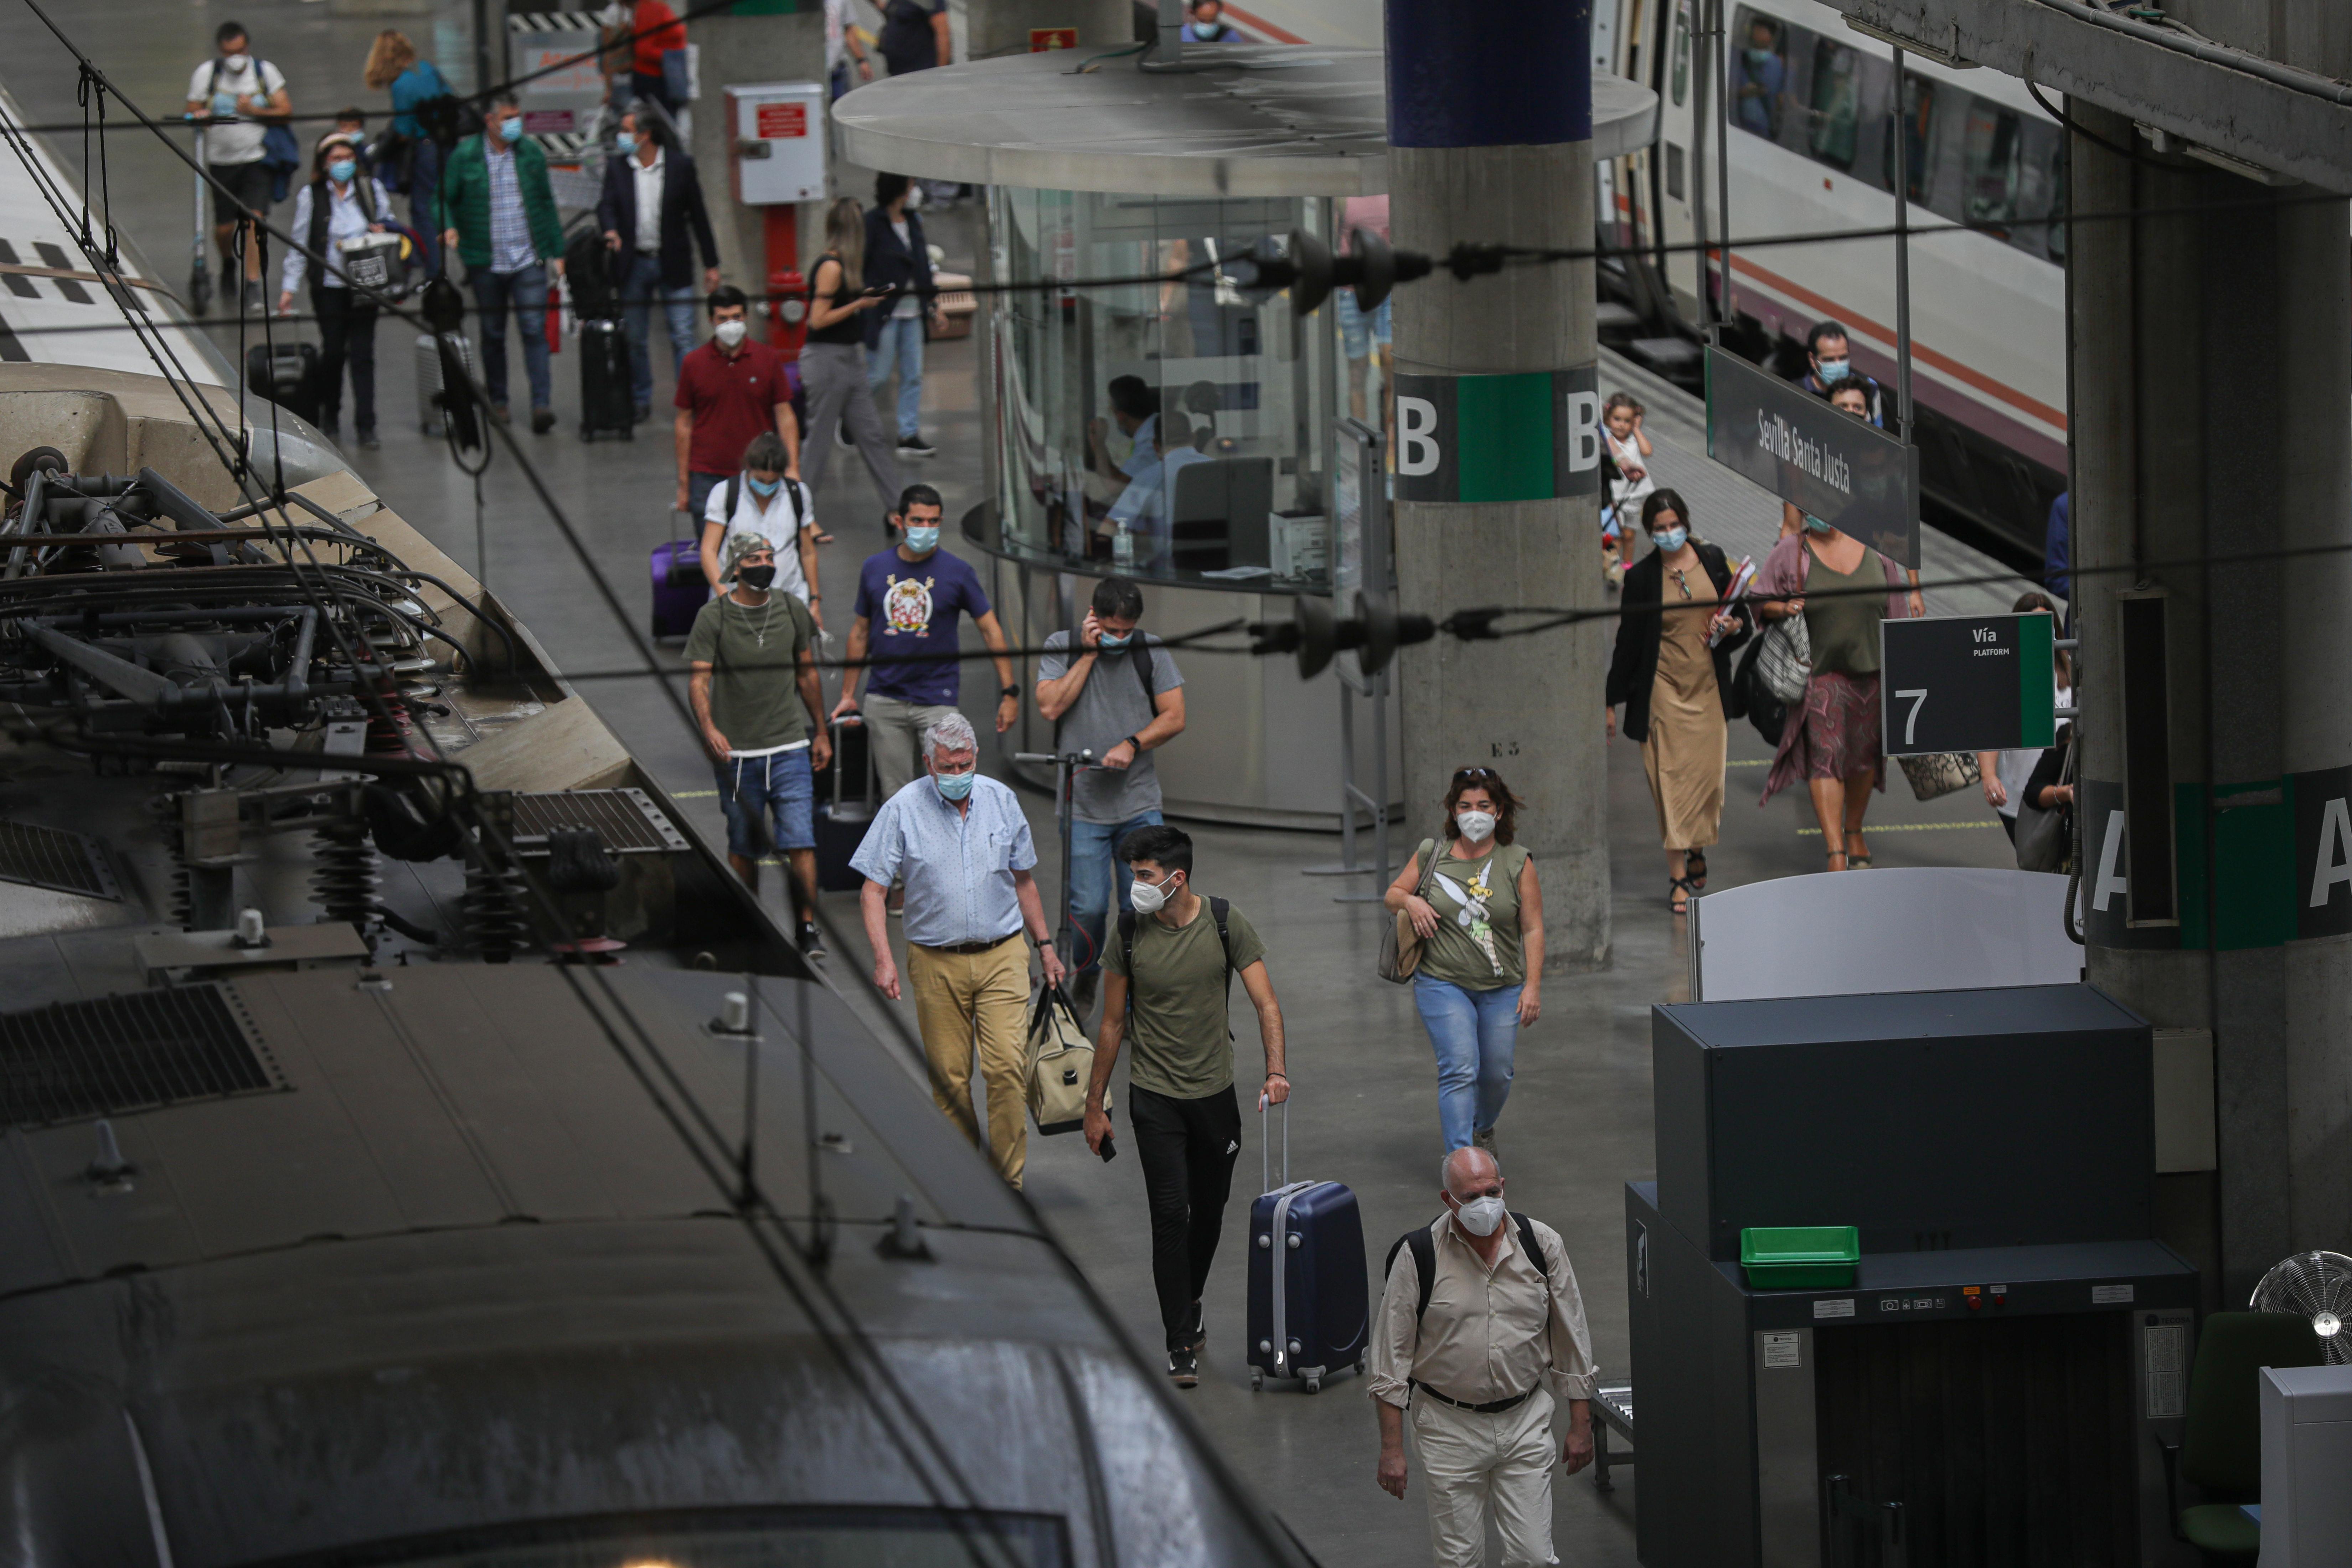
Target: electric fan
[(2317, 1285)]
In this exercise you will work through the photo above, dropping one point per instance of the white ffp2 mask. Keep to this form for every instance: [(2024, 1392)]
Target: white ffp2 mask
[(1481, 1217), (1475, 825), (729, 333), (1149, 898)]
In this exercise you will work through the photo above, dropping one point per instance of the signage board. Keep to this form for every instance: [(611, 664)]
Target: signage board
[(1967, 683), (778, 140), (1041, 39), (1472, 439), (1844, 470)]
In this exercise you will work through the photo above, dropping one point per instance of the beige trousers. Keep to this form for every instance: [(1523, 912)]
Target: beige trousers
[(1470, 1462), (970, 1005), (894, 733)]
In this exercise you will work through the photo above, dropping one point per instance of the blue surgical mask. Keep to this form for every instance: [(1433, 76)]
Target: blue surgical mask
[(1815, 525), (625, 143), (1110, 644), (223, 104), (953, 787), (1670, 540), (511, 128), (923, 541), (1835, 370), (341, 169), (764, 486)]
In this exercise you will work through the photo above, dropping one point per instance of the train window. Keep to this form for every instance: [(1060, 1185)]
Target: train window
[(1759, 74), (1673, 171), (1918, 124), (2054, 239), (1991, 165), (1835, 102), (846, 1536), (1681, 74)]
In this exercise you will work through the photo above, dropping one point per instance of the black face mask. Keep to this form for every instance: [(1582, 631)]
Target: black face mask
[(756, 578)]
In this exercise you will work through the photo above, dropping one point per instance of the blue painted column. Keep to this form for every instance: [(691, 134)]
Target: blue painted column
[(1497, 443)]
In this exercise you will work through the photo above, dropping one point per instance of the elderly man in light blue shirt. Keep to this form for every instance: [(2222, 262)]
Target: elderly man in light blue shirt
[(962, 846)]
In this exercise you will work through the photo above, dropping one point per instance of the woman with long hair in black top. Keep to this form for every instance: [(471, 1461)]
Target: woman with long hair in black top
[(832, 364)]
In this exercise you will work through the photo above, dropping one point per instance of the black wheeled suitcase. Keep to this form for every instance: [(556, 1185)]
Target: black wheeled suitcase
[(1309, 1305), (841, 824), (605, 408)]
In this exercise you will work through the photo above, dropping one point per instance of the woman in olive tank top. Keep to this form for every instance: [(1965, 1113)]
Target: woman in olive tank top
[(1474, 900), (1833, 744)]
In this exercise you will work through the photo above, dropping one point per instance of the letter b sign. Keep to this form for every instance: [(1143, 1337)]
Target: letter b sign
[(1417, 449), (1583, 431)]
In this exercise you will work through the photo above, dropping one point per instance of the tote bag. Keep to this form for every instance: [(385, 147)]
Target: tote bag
[(1400, 943)]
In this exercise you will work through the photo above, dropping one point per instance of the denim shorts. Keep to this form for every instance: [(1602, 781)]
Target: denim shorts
[(1358, 332), (779, 789)]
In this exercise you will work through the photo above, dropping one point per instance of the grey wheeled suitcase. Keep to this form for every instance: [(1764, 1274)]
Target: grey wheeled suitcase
[(428, 378), (1309, 1306)]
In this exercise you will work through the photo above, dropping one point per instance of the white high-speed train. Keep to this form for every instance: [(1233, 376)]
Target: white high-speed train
[(1811, 136)]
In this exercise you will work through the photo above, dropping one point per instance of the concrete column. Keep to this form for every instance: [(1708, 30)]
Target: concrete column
[(1498, 477), (1003, 27), (750, 49), (2212, 401)]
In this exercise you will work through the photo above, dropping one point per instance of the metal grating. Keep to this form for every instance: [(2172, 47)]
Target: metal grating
[(626, 819), (135, 1051), (55, 858)]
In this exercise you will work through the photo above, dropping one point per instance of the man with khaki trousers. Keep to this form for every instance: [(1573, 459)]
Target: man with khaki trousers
[(1473, 1359), (960, 843)]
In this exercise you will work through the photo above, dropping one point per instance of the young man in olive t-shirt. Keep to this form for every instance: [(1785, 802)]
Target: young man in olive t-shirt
[(761, 708), (1169, 966)]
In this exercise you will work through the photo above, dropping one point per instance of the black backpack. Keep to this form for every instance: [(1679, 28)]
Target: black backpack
[(1218, 910), (1425, 1257)]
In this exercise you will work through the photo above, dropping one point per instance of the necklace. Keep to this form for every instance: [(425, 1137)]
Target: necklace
[(760, 632)]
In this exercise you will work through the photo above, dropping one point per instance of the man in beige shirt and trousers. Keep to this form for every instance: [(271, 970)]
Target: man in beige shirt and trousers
[(1502, 1335)]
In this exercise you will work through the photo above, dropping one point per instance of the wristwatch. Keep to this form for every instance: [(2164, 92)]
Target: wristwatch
[(1137, 744), (1009, 691)]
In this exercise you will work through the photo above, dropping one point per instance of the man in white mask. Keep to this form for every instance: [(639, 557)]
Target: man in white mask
[(1480, 1329)]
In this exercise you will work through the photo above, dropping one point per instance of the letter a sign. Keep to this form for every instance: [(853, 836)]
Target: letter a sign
[(1473, 439)]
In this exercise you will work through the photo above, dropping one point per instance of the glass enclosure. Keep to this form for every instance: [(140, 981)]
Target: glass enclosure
[(1175, 432)]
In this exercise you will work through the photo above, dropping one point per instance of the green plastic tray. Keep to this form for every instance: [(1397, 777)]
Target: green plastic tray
[(1799, 1256)]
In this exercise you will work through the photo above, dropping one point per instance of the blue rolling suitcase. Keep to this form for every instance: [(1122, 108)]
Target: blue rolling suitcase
[(1310, 1307), (680, 590)]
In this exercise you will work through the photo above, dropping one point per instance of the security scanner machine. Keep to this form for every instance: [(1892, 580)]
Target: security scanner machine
[(1895, 1294)]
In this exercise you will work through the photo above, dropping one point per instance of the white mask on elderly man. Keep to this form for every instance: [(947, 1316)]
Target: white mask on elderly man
[(1481, 1215)]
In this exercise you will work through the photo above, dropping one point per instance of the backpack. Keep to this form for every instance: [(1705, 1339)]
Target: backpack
[(792, 490), (1425, 1257), (280, 154), (1218, 910)]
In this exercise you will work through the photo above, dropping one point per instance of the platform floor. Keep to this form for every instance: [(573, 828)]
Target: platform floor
[(1579, 1122)]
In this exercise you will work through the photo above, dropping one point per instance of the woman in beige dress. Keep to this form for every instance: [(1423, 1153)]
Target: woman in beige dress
[(1672, 671)]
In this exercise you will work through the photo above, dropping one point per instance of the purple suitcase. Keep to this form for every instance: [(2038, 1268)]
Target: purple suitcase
[(679, 588)]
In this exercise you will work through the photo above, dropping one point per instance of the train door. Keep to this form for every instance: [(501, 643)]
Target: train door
[(1607, 172), (1669, 221), (1639, 54)]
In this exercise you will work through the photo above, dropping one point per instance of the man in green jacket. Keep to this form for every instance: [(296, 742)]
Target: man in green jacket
[(498, 212)]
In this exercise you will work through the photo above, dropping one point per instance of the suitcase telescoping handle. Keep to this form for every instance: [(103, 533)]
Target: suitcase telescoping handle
[(1266, 1147), (867, 788)]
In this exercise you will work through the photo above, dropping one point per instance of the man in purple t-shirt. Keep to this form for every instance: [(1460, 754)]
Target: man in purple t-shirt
[(907, 600)]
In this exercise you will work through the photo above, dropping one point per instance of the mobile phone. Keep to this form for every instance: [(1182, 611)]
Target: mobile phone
[(1109, 1150)]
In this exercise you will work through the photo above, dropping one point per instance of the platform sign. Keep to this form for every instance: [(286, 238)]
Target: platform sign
[(1967, 683), (1842, 469), (1043, 40)]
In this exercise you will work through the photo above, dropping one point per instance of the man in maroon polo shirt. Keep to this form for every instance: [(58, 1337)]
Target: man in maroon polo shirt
[(728, 390)]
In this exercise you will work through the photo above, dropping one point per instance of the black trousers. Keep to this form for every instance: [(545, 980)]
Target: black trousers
[(1188, 1148), (346, 335)]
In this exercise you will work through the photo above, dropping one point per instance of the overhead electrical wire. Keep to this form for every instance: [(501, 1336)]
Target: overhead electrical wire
[(860, 1359)]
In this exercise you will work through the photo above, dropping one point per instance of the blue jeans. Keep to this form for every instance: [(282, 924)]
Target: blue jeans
[(526, 291), (902, 342), (1094, 870), (1472, 1033), (778, 792), (639, 290)]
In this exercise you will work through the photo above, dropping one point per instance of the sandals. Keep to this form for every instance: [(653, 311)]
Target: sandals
[(1677, 891), (1858, 859), (1838, 861), (1695, 867)]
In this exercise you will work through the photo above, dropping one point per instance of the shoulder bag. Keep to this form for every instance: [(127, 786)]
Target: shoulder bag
[(1940, 773), (2043, 835), (1400, 943), (1784, 654)]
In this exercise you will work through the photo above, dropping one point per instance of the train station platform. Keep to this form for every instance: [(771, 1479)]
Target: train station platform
[(1578, 1126)]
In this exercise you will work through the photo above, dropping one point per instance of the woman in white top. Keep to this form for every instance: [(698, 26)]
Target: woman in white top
[(338, 204), (764, 503), (2004, 773)]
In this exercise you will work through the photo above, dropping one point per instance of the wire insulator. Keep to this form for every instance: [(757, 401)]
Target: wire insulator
[(345, 883), (492, 912), (389, 724)]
